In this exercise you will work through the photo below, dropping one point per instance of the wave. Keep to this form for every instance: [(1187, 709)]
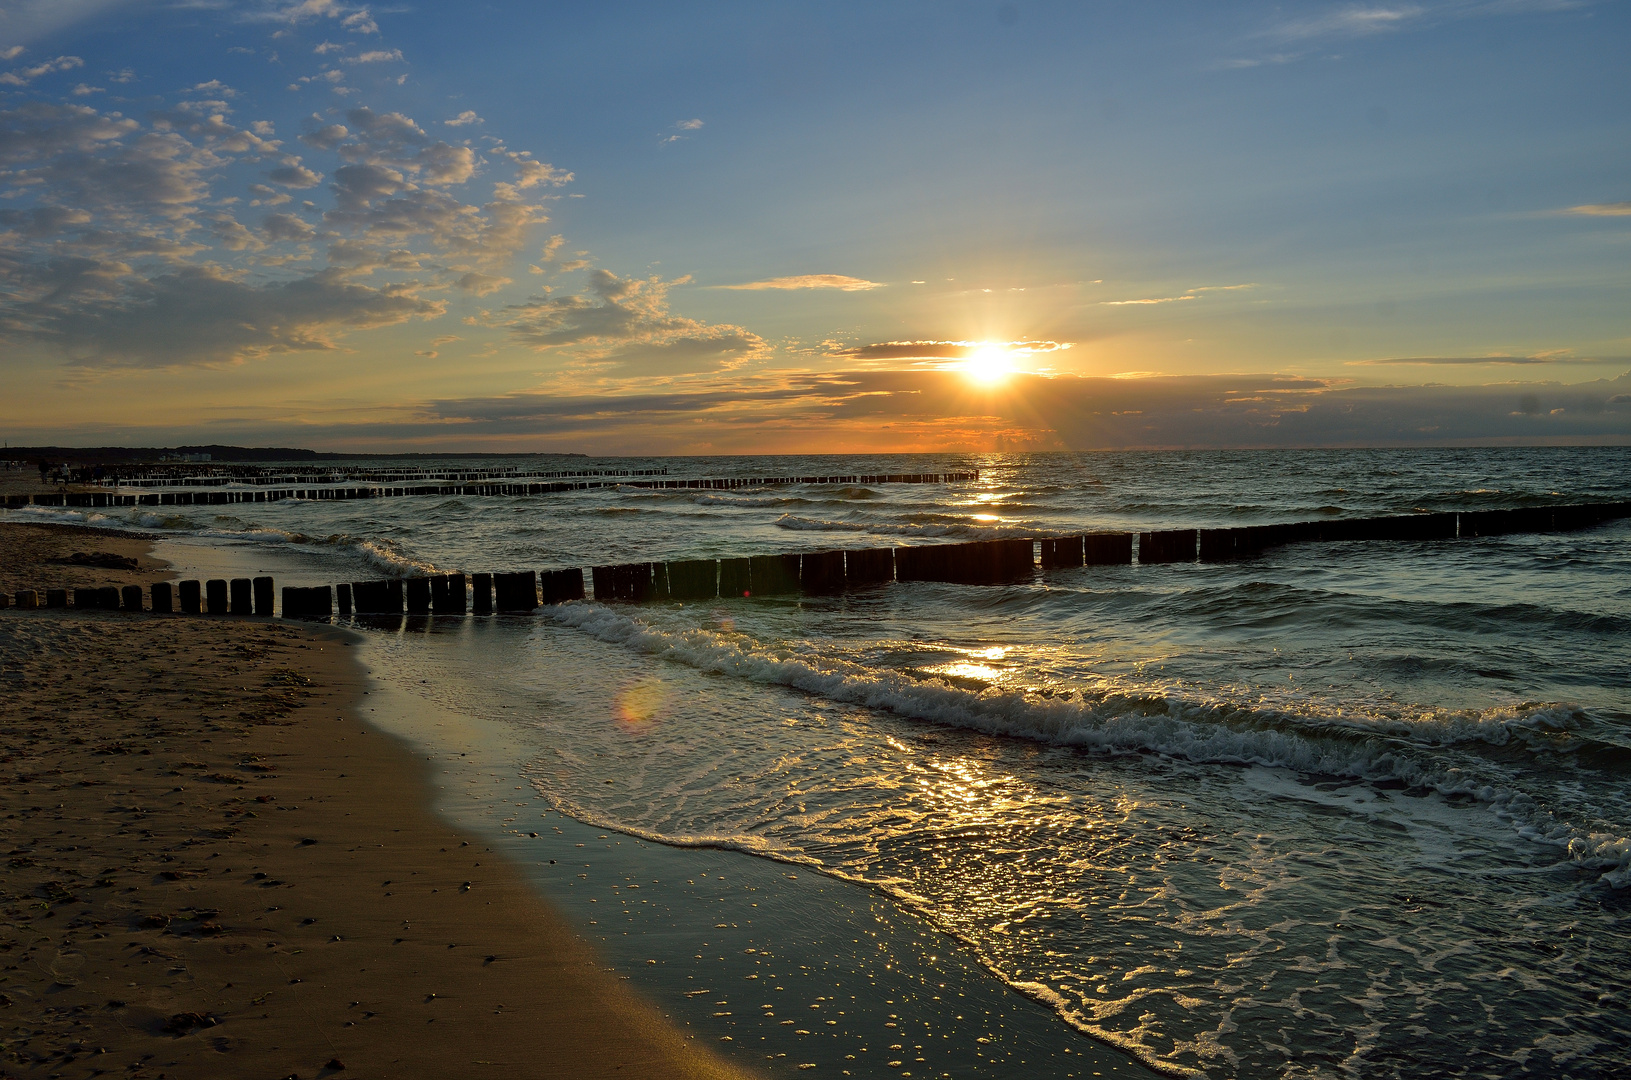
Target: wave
[(1154, 721), (952, 527), (748, 500), (379, 554)]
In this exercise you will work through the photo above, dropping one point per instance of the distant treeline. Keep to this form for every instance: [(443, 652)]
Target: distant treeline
[(115, 455)]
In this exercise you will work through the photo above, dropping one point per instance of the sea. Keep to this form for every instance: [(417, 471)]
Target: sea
[(1343, 810)]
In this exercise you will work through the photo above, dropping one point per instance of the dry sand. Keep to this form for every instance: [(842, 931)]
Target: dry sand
[(215, 869)]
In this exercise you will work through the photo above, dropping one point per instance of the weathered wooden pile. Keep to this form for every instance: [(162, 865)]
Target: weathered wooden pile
[(812, 573), (106, 499)]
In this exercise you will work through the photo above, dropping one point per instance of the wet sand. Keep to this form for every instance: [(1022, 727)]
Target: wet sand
[(214, 868)]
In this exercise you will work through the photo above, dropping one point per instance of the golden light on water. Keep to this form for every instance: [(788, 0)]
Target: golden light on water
[(640, 705)]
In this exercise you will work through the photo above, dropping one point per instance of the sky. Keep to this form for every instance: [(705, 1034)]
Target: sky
[(625, 228)]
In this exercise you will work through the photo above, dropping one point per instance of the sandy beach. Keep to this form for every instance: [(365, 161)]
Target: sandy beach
[(214, 868)]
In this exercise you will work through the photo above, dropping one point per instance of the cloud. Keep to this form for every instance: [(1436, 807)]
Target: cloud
[(942, 350), (934, 410), (286, 227), (623, 326), (1188, 294), (121, 243), (1348, 20), (1613, 209), (25, 21), (1315, 25), (24, 76), (811, 281), (295, 175), (689, 125), (1499, 360), (195, 316), (467, 117), (1148, 300), (480, 284), (376, 56)]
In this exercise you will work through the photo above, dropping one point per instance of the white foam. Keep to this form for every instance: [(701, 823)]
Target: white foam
[(381, 555), (966, 530), (1149, 721)]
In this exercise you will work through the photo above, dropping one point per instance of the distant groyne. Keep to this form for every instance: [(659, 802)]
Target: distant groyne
[(486, 487)]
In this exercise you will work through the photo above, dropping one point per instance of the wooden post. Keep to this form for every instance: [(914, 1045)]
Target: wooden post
[(418, 590), (28, 599), (734, 578), (454, 602), (773, 575), (559, 586), (242, 593), (516, 592), (263, 597), (693, 579), (874, 566), (821, 573), (215, 596), (56, 598), (481, 586), (1167, 546), (192, 597), (1107, 549), (163, 602), (132, 597), (292, 602), (343, 595)]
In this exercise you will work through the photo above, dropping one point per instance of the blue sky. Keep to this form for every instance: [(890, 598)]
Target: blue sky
[(762, 227)]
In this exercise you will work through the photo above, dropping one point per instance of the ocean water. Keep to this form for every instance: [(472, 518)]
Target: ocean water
[(1344, 810)]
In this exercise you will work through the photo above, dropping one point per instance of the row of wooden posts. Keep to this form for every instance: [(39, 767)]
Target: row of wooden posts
[(985, 562), (249, 474), (104, 499)]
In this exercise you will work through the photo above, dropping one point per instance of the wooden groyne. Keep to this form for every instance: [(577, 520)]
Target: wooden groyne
[(113, 499), (811, 573)]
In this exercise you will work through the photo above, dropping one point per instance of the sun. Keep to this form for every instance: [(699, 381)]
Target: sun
[(988, 364)]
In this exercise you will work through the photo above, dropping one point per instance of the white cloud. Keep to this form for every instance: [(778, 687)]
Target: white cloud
[(811, 281), (376, 56), (115, 233), (295, 175), (286, 227), (624, 326), (24, 76), (467, 117), (1613, 209), (689, 125)]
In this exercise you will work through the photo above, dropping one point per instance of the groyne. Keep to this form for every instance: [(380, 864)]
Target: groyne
[(813, 573), (114, 499)]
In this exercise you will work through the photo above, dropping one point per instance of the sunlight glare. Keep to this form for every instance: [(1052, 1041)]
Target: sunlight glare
[(988, 364)]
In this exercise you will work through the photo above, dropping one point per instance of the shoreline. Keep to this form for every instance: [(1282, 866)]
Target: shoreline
[(216, 865)]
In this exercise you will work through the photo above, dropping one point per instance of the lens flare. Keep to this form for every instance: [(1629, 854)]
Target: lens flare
[(640, 705)]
